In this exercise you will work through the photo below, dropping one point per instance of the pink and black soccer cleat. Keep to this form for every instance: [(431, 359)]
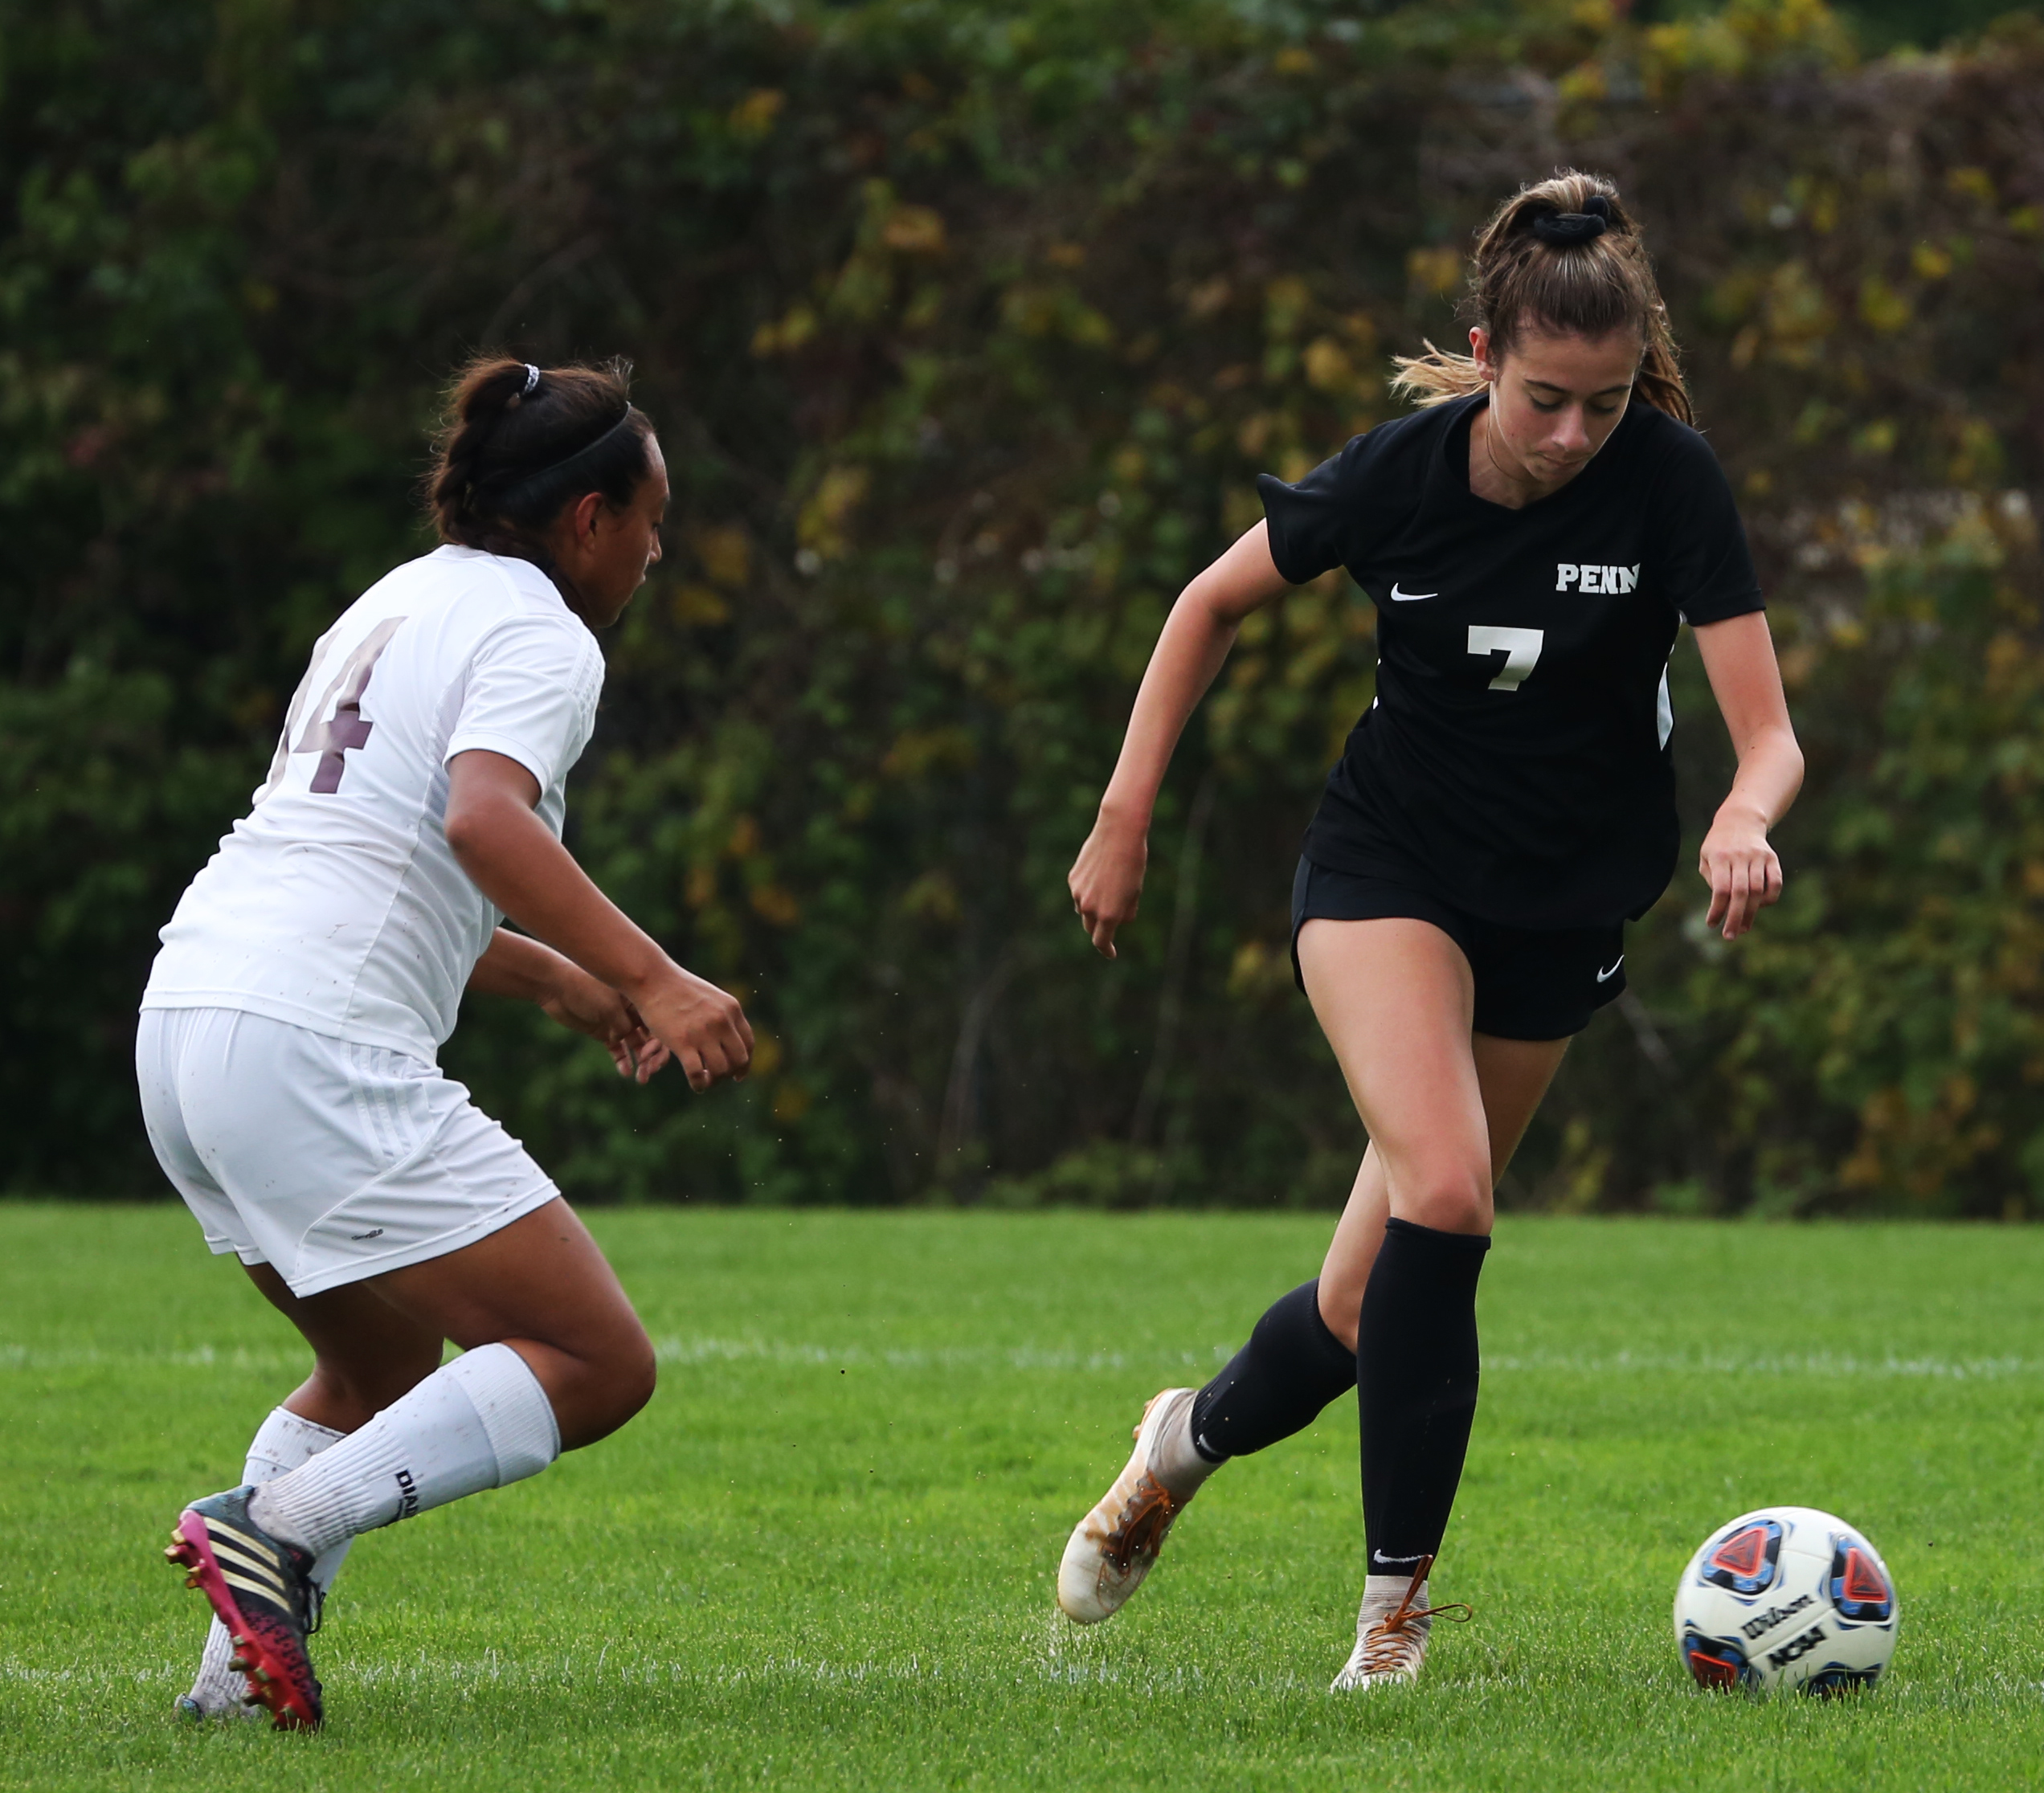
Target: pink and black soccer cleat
[(262, 1590)]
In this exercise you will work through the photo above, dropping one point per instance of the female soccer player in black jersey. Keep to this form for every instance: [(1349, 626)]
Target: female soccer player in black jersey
[(1533, 535)]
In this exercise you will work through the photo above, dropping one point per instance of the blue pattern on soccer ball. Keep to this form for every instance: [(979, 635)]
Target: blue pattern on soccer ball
[(1717, 1661), (1857, 1587), (1746, 1562)]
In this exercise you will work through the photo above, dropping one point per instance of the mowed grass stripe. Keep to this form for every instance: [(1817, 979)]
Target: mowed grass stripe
[(824, 1557)]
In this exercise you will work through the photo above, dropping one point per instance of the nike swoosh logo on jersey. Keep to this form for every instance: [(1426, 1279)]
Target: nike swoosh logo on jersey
[(1606, 977), (1398, 597)]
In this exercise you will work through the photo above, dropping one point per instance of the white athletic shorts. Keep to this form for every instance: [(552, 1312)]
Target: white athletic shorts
[(329, 1160)]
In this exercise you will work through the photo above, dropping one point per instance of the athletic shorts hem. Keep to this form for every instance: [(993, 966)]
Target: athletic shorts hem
[(1532, 984), (329, 1160), (422, 1251)]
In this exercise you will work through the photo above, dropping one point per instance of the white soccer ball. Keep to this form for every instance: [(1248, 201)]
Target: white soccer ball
[(1786, 1597)]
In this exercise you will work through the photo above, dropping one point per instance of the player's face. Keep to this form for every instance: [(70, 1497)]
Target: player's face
[(1554, 400), (612, 556)]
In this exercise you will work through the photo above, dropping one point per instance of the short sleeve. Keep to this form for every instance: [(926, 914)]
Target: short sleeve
[(1705, 568), (1313, 524), (531, 695)]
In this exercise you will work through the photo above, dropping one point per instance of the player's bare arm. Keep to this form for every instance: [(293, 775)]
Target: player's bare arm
[(1741, 869), (527, 873), (516, 965), (1106, 879)]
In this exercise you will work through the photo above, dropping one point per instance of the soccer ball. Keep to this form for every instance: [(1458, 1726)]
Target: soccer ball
[(1786, 1597)]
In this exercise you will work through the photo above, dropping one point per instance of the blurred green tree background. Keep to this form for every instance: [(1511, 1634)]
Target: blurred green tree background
[(967, 326)]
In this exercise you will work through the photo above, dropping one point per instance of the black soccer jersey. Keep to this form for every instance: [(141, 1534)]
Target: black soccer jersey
[(1515, 762)]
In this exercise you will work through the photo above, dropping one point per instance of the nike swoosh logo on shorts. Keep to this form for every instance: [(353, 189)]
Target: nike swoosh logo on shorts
[(1398, 597), (1606, 977)]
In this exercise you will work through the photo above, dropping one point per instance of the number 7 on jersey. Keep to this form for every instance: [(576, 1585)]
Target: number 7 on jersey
[(1521, 648)]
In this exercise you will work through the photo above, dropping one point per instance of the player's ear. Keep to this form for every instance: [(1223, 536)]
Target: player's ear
[(1480, 351), (587, 509)]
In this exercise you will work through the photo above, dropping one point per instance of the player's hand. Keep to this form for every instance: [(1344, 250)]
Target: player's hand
[(1106, 879), (592, 1007), (1742, 870), (703, 1026)]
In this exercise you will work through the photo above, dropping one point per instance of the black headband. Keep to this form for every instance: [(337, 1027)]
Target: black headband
[(1571, 230), (588, 448)]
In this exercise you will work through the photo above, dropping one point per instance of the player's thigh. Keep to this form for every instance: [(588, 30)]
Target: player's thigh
[(1513, 1076), (1394, 997), (542, 1278)]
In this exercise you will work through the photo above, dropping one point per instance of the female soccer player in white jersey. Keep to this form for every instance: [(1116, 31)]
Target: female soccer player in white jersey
[(1532, 536), (287, 1053)]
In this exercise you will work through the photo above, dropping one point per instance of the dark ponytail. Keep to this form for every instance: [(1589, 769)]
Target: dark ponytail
[(517, 444)]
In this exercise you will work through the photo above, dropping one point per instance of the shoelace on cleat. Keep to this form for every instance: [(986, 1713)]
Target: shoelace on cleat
[(1148, 1515), (1388, 1644)]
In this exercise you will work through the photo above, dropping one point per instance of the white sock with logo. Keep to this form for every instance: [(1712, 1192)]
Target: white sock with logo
[(1174, 1460), (482, 1421), (1381, 1594), (283, 1442)]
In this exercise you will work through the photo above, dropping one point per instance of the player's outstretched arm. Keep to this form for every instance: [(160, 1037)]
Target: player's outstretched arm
[(527, 873), (1740, 866), (1106, 879)]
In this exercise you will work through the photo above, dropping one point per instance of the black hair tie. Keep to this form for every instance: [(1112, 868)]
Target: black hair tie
[(1571, 230)]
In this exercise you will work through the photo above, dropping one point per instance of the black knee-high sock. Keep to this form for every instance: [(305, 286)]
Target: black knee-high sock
[(1277, 1384), (1416, 1381)]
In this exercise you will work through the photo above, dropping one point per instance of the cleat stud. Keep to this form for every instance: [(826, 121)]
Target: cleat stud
[(192, 1580), (261, 1674)]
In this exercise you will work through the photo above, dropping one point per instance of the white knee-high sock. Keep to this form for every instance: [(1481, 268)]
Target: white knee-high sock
[(482, 1421), (283, 1442)]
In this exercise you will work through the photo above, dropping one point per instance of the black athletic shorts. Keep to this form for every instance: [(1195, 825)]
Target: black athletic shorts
[(1531, 983)]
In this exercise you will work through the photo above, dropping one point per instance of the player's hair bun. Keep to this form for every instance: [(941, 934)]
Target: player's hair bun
[(519, 443), (1567, 230)]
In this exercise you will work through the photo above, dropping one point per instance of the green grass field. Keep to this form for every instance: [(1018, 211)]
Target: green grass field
[(824, 1557)]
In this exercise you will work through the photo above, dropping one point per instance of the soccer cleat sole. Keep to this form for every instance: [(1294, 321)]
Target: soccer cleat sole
[(280, 1674)]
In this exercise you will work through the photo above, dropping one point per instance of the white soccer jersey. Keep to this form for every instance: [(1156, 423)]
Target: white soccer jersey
[(337, 904)]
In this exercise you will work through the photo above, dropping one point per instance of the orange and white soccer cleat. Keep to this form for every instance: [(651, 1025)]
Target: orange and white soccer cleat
[(1117, 1543), (1391, 1632)]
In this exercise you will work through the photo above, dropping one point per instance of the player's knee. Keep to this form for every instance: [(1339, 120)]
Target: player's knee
[(637, 1374), (620, 1383), (1453, 1199)]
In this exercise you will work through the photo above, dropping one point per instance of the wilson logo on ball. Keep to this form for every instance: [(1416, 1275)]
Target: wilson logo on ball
[(1745, 1562), (1858, 1588)]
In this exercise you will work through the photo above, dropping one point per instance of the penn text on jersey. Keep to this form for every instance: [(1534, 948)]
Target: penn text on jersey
[(1614, 579)]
